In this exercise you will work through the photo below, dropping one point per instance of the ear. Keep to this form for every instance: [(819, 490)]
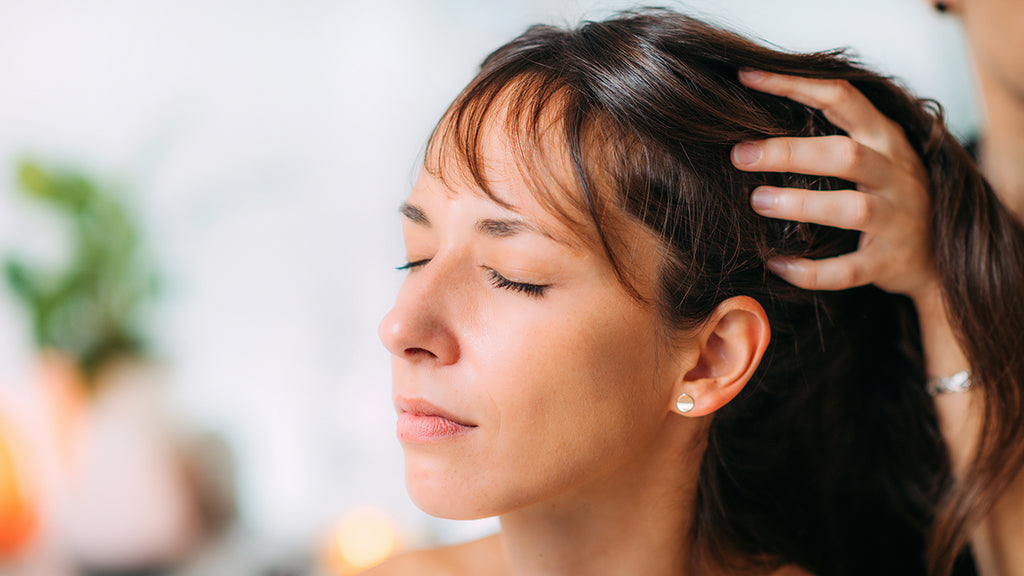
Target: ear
[(730, 347)]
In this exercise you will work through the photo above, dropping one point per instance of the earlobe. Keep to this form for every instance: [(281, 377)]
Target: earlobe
[(730, 348)]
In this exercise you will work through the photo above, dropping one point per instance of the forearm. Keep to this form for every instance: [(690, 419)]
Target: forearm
[(998, 541), (959, 414)]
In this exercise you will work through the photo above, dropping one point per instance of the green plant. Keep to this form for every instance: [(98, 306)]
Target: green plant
[(91, 309)]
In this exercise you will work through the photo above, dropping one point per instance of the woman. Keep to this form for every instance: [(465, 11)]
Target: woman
[(591, 345)]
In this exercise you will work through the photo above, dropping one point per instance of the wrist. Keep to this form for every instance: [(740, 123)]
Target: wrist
[(929, 302), (953, 383), (943, 354)]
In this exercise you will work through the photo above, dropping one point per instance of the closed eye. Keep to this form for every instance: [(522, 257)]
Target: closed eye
[(499, 281), (412, 265)]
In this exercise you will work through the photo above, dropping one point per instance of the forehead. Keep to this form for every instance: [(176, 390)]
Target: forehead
[(508, 207), (521, 164)]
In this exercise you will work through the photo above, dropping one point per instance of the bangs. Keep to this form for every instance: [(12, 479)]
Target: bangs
[(559, 144), (528, 112)]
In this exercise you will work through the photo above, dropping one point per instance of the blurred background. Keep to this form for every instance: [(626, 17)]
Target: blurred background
[(198, 233)]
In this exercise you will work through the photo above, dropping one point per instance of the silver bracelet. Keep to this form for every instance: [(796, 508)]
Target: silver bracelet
[(959, 382)]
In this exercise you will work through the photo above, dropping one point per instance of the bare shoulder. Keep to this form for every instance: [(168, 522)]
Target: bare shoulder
[(481, 556), (425, 562)]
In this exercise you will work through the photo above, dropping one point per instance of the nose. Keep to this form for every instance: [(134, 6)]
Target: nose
[(419, 327)]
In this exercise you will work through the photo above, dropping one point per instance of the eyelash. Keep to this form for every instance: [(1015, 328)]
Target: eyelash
[(411, 265), (497, 280)]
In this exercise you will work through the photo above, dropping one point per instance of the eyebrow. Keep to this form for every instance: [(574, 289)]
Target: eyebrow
[(491, 227), (503, 228), (415, 214)]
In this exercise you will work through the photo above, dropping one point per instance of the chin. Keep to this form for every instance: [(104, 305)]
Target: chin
[(445, 494)]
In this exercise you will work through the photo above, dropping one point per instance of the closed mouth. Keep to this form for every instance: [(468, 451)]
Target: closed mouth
[(423, 408)]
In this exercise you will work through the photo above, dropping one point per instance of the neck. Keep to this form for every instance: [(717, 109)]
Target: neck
[(1002, 145), (636, 520)]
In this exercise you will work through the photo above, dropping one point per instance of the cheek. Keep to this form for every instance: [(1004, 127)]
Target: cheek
[(573, 397), (597, 370), (564, 392)]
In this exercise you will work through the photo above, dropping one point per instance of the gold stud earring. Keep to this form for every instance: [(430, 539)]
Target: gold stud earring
[(684, 403)]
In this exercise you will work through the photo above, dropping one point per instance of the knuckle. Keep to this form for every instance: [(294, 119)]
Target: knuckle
[(848, 276), (837, 92), (806, 277), (776, 152), (851, 154), (800, 204), (862, 211), (788, 152), (792, 203)]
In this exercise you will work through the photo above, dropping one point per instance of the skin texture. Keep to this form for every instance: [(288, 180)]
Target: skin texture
[(576, 443), (993, 31), (578, 365), (891, 207)]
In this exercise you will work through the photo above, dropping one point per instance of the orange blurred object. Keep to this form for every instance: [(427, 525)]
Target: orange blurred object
[(364, 538), (18, 521), (63, 387), (61, 398)]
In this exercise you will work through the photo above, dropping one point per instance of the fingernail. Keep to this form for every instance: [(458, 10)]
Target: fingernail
[(746, 153), (762, 200), (751, 76)]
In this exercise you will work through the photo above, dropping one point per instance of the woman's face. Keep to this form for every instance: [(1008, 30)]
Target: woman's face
[(522, 369)]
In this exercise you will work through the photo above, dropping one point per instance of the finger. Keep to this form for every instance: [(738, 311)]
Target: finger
[(837, 156), (847, 209), (842, 104), (838, 273)]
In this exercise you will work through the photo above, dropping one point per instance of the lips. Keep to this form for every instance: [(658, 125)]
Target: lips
[(421, 422)]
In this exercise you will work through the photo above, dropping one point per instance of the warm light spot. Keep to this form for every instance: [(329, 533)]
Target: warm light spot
[(364, 537), (17, 514)]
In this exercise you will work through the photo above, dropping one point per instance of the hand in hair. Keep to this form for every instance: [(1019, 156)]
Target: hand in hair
[(892, 208), (891, 205)]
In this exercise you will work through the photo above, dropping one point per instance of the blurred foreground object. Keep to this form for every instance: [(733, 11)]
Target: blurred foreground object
[(122, 489), (364, 538), (17, 508)]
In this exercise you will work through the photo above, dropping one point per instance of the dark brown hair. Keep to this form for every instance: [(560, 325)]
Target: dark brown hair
[(830, 458)]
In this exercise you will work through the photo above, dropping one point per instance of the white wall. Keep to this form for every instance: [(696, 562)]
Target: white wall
[(268, 144)]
